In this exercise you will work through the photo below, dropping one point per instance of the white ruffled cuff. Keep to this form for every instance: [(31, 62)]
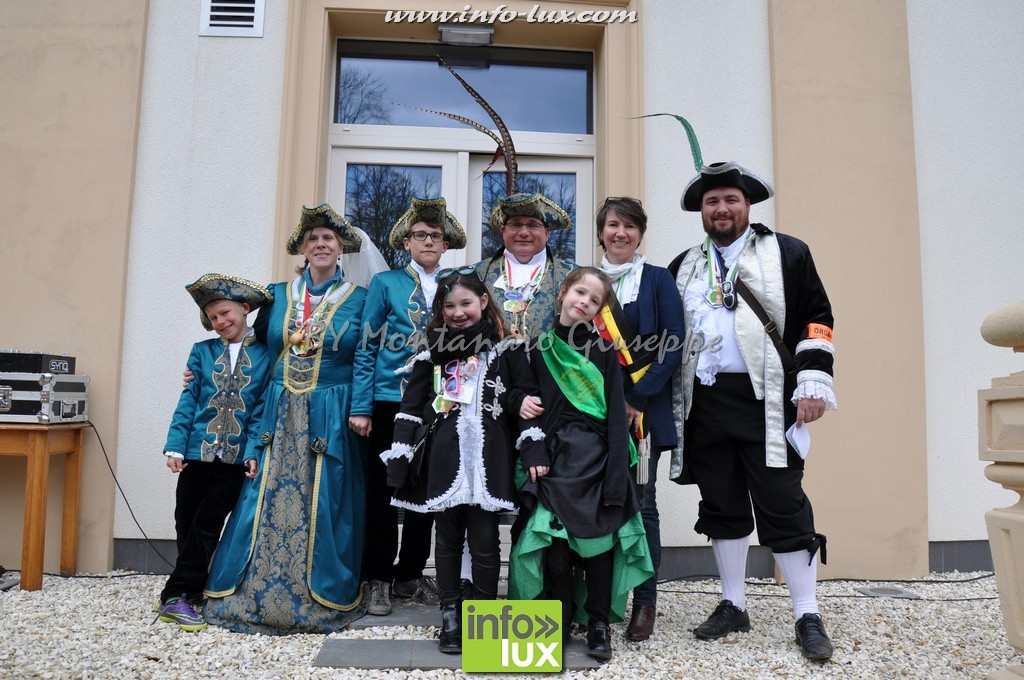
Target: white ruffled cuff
[(410, 418), (174, 454), (813, 389), (534, 433), (397, 450)]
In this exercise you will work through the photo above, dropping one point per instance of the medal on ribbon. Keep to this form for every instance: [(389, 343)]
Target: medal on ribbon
[(514, 306), (721, 293), (307, 337), (714, 296)]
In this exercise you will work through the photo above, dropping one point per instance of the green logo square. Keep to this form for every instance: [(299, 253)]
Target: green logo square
[(522, 636)]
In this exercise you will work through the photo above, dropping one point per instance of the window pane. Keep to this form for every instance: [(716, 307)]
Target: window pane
[(533, 90), (377, 195), (559, 187)]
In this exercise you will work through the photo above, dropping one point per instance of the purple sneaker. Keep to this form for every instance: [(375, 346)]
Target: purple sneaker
[(178, 610)]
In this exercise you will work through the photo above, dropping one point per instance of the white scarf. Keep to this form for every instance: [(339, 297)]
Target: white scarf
[(625, 277)]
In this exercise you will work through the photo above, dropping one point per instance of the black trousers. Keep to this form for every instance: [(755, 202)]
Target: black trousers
[(382, 517), (725, 454), (205, 495), (452, 527), (560, 563)]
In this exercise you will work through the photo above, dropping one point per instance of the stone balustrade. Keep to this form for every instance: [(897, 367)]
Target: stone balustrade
[(1001, 441)]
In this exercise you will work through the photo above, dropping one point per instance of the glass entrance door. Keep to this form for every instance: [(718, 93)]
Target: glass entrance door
[(569, 182), (373, 187)]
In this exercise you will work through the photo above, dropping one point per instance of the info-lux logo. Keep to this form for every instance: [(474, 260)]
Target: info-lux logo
[(524, 636)]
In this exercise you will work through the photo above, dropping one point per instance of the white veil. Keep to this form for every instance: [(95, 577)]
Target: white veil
[(359, 268)]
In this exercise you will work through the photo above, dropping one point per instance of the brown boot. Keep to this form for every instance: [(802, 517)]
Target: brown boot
[(641, 622)]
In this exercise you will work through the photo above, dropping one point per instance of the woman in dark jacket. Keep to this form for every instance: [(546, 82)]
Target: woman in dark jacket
[(651, 308)]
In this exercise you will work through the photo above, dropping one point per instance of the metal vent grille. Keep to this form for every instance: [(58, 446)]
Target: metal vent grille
[(240, 18)]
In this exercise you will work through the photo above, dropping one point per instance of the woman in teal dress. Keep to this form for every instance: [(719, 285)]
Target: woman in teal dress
[(290, 557)]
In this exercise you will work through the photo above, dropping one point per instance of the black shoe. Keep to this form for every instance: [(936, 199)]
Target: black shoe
[(812, 638), (451, 628), (599, 645), (725, 619)]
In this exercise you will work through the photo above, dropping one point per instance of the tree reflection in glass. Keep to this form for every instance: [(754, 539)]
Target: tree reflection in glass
[(559, 187), (377, 195)]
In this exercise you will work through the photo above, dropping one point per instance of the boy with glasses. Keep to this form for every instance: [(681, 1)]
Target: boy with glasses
[(394, 320)]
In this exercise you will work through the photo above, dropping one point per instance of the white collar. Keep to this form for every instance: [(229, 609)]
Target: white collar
[(428, 282), (520, 272), (535, 260), (732, 251)]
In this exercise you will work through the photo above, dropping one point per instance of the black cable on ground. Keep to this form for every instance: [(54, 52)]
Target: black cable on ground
[(123, 496)]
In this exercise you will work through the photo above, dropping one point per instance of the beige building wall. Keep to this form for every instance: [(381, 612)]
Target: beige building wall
[(846, 182), (70, 74)]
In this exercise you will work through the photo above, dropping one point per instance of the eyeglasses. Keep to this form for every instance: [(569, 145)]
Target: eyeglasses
[(434, 236), (530, 226), (461, 271)]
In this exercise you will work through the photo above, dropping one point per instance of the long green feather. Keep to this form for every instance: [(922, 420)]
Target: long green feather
[(698, 160)]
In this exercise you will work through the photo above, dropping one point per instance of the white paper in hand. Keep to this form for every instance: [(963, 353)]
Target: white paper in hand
[(800, 439)]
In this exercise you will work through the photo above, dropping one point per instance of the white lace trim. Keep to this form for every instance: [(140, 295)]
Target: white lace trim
[(406, 416), (470, 484), (397, 450), (534, 433), (815, 343), (702, 325), (815, 385), (421, 356)]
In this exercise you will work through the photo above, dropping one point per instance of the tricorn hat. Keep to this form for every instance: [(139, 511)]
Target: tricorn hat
[(212, 287), (718, 175), (324, 216), (431, 211), (530, 205)]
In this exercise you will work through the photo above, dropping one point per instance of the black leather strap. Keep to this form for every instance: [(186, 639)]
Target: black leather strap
[(770, 328)]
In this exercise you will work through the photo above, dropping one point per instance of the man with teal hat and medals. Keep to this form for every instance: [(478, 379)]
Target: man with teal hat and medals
[(524, 274)]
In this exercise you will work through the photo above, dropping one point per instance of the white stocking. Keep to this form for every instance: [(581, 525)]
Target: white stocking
[(802, 579), (731, 558)]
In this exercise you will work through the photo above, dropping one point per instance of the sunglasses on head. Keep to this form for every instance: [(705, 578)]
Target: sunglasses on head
[(453, 271)]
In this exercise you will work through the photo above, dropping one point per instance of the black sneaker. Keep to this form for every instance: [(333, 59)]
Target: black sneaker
[(379, 600), (812, 638), (725, 619)]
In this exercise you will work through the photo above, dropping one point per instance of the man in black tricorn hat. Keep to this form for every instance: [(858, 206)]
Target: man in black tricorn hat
[(760, 347)]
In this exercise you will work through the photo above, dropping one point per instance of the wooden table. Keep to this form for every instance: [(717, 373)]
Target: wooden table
[(37, 443)]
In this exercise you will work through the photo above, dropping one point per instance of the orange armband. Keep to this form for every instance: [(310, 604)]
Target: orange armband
[(819, 331)]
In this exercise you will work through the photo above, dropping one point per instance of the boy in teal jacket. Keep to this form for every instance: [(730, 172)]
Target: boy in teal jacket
[(206, 442)]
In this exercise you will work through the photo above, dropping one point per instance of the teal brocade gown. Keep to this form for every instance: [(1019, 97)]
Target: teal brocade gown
[(289, 560)]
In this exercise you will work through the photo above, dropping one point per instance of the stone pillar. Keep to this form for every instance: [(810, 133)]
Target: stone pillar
[(1001, 441)]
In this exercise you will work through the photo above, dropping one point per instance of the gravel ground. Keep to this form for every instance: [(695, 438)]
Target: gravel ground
[(103, 628)]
